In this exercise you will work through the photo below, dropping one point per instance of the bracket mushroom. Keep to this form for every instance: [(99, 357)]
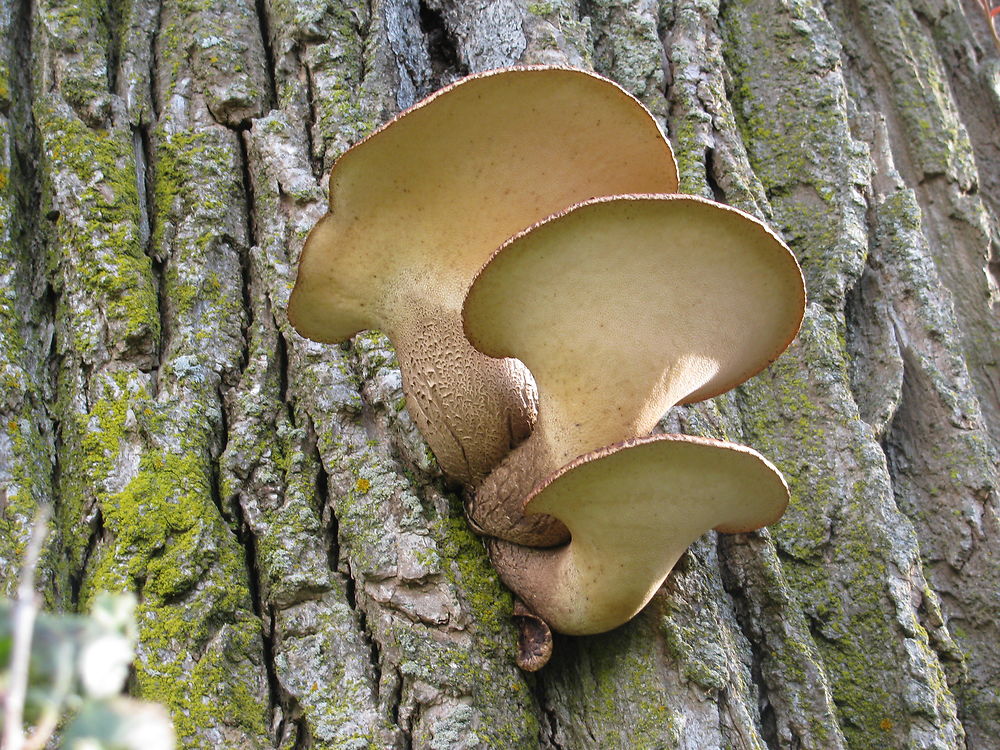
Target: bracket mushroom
[(537, 377), (632, 510), (419, 206)]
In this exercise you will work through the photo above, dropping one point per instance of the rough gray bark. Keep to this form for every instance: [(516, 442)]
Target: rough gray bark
[(305, 574)]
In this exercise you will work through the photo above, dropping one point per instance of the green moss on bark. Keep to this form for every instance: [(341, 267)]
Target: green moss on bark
[(97, 242), (843, 543), (199, 643)]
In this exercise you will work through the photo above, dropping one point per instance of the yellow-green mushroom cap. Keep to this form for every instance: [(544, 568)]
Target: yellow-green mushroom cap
[(417, 207), (632, 509), (621, 307)]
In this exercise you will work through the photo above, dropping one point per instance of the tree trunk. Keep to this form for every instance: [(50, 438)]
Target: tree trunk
[(305, 575)]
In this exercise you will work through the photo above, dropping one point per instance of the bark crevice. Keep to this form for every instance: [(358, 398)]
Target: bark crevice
[(154, 60), (263, 11), (325, 512), (113, 25), (315, 162), (244, 249), (442, 46), (248, 542)]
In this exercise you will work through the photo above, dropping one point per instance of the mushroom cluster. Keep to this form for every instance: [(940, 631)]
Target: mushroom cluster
[(548, 304)]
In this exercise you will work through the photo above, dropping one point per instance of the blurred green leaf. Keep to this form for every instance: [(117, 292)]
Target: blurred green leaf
[(80, 664), (120, 724)]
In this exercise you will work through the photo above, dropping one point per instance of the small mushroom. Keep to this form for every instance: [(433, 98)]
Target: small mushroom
[(632, 510), (417, 208), (621, 307), (534, 641)]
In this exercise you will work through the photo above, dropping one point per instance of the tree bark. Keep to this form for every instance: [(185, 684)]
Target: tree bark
[(305, 574)]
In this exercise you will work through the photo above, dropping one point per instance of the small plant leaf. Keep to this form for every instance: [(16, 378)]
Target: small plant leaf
[(78, 666), (120, 724), (103, 665)]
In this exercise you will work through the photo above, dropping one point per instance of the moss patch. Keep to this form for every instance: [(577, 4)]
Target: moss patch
[(103, 267), (199, 644)]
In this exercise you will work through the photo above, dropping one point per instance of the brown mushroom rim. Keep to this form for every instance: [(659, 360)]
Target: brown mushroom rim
[(622, 306), (632, 510), (418, 206)]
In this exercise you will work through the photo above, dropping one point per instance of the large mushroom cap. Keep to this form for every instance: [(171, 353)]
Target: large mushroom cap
[(632, 510), (418, 206), (623, 306)]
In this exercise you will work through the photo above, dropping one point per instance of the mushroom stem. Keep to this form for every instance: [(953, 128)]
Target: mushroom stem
[(495, 508), (471, 409)]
